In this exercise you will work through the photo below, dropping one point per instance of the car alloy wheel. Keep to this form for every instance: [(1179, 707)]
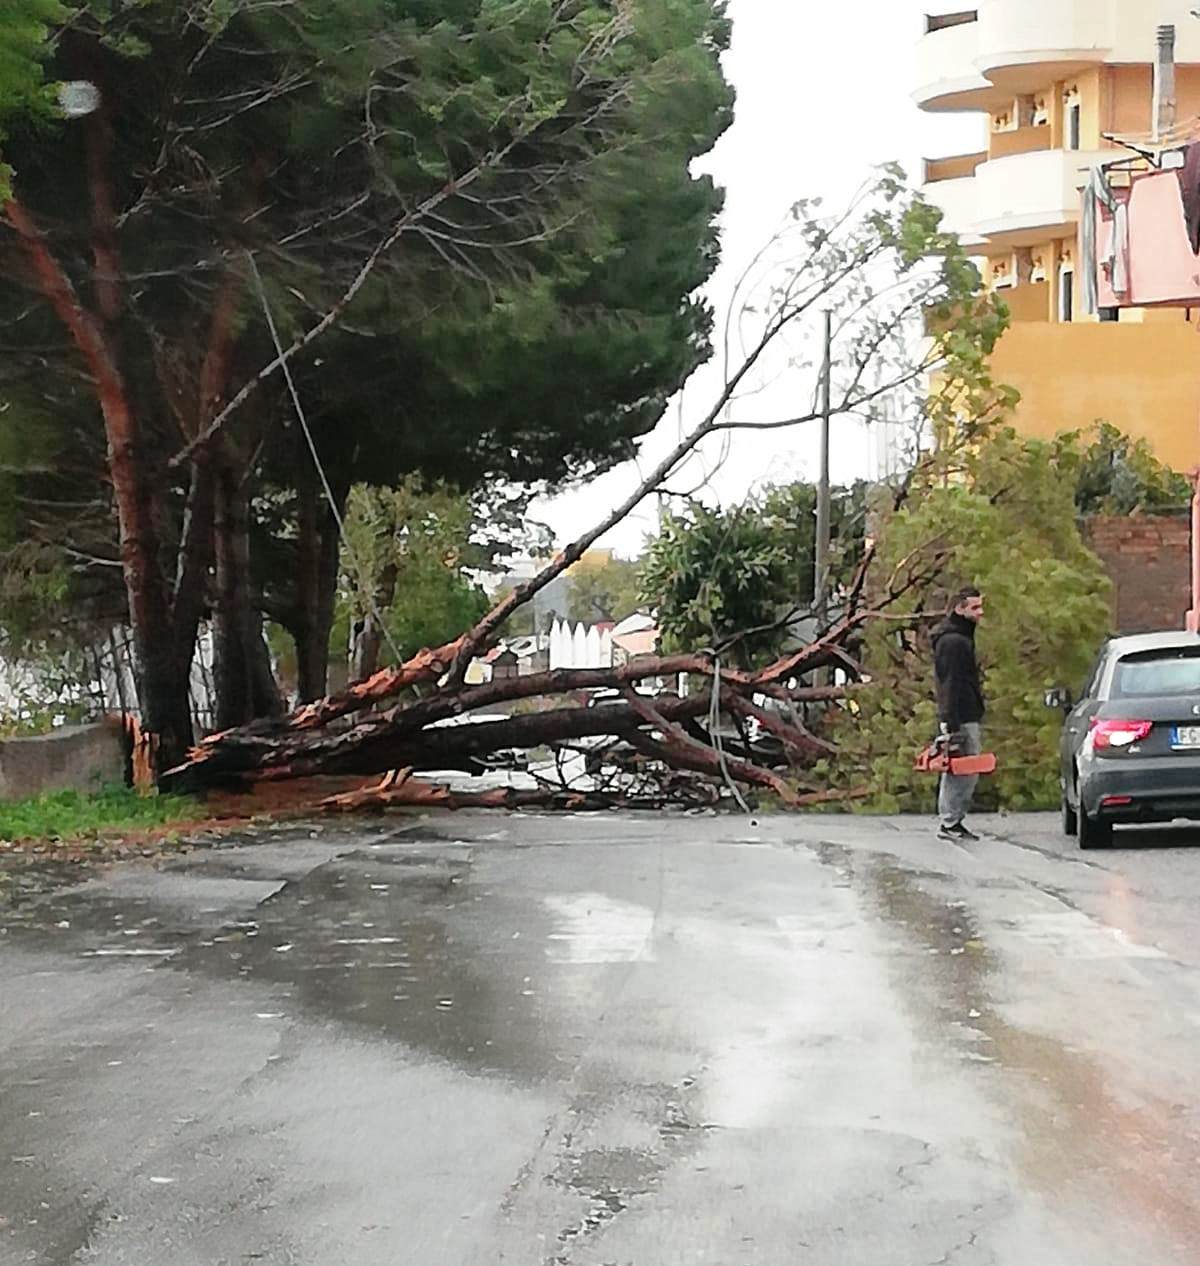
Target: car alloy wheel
[(1070, 819), (1092, 832)]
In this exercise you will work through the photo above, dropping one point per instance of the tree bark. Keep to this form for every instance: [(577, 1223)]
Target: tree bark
[(245, 684), (162, 691), (267, 698), (368, 632), (316, 580), (460, 746)]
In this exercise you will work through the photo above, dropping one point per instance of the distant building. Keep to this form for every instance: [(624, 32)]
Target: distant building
[(634, 637), (505, 665), (553, 602), (1051, 82)]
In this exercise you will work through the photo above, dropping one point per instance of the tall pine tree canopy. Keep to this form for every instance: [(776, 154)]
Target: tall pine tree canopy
[(529, 164)]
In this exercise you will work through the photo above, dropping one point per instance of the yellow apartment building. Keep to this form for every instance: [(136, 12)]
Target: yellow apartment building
[(1050, 79)]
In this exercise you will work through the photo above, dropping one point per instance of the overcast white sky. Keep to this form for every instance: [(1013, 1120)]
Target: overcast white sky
[(824, 93)]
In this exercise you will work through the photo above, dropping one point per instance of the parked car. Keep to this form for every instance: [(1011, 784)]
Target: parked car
[(1131, 743)]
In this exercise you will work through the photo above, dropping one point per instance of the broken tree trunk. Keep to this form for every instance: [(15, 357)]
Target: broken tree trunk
[(356, 734), (384, 725)]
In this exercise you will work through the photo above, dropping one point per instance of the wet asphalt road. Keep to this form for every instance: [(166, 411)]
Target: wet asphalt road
[(608, 1042)]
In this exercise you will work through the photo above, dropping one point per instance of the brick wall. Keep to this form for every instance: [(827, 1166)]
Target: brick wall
[(1149, 560)]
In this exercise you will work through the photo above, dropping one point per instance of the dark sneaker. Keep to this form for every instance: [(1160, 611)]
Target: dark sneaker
[(958, 833), (949, 834), (964, 834)]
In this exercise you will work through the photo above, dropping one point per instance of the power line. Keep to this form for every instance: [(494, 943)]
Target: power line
[(312, 448)]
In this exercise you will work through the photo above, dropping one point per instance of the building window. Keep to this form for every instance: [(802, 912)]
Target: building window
[(1066, 294), (1074, 138)]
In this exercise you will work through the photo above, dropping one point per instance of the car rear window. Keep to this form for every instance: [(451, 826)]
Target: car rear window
[(1157, 673)]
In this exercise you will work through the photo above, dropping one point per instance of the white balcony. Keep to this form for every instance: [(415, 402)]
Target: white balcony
[(946, 69), (958, 201), (1019, 46), (1015, 201), (1021, 197)]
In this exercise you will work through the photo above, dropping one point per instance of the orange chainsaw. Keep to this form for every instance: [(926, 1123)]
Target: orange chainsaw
[(941, 757)]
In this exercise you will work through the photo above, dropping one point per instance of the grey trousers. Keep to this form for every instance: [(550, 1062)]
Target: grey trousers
[(957, 791)]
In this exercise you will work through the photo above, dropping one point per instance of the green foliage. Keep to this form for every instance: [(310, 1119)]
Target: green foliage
[(433, 604), (790, 513), (712, 574), (44, 675), (603, 588), (1001, 516), (1120, 475), (66, 815), (413, 549), (24, 26)]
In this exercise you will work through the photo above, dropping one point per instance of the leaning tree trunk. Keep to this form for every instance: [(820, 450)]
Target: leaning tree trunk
[(318, 559), (246, 688), (368, 631), (162, 688)]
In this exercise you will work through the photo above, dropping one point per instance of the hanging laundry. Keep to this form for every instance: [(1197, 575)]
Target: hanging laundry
[(1100, 194), (1189, 186)]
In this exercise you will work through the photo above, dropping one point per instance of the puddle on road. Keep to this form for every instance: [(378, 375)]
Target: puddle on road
[(408, 947), (1079, 1134), (393, 939), (596, 929)]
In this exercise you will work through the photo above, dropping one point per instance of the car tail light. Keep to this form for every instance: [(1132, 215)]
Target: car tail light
[(1108, 733)]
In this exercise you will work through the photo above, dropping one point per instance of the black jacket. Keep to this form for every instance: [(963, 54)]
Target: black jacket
[(956, 671)]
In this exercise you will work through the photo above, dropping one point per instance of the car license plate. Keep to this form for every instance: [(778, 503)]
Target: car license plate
[(1186, 736)]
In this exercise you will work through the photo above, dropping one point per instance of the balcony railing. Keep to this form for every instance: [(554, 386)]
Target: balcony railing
[(1026, 191), (1022, 140), (1010, 201), (958, 202), (954, 168), (1029, 301)]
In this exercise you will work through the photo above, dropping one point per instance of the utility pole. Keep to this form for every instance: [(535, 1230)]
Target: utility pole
[(821, 559)]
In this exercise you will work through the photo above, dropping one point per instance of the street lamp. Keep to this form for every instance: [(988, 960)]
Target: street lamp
[(78, 97)]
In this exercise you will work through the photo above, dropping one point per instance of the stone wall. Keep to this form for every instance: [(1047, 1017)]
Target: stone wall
[(76, 757), (1148, 558)]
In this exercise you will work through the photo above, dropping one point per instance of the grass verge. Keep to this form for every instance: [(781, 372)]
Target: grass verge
[(66, 815)]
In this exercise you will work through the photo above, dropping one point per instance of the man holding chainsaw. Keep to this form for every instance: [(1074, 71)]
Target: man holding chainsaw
[(960, 707)]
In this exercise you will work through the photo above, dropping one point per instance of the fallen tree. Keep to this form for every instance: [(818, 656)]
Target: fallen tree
[(881, 268)]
